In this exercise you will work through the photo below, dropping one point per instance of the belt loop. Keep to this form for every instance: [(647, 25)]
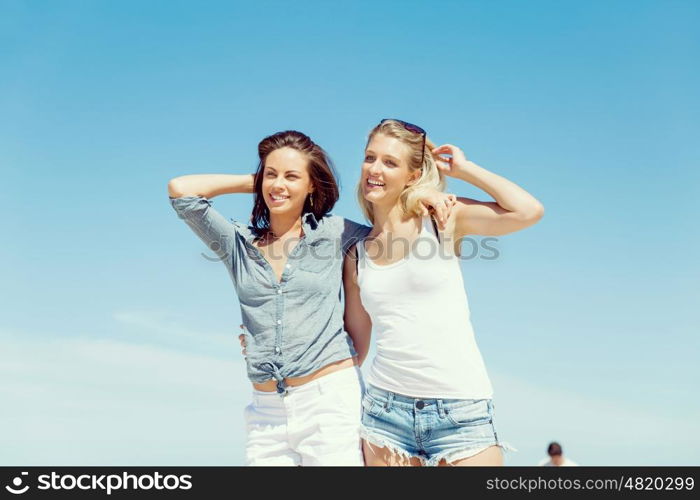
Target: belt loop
[(441, 408), (389, 401)]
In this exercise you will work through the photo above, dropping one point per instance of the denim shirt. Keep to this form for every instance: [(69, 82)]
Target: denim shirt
[(294, 326)]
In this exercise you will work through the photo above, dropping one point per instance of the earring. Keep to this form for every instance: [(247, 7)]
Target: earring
[(311, 199)]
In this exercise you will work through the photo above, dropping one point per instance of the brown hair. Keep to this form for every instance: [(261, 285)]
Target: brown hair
[(321, 172), (554, 449), (430, 176)]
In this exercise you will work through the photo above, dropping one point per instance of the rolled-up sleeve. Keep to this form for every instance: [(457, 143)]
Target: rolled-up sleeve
[(212, 228)]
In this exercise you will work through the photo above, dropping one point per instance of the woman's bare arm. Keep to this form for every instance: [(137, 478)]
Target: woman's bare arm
[(210, 185), (190, 196), (513, 210), (357, 322)]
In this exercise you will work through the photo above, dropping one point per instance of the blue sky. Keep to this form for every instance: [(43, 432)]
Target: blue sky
[(119, 340)]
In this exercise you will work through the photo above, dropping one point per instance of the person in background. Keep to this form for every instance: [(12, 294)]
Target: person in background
[(556, 457)]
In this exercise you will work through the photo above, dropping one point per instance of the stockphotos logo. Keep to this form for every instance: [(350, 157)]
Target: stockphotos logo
[(103, 482), (16, 487)]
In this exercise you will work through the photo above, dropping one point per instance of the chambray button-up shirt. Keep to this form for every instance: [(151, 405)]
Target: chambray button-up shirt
[(293, 326)]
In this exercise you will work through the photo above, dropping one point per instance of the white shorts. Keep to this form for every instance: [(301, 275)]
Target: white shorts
[(317, 423)]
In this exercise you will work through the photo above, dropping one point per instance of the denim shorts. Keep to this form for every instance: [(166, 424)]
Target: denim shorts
[(429, 429)]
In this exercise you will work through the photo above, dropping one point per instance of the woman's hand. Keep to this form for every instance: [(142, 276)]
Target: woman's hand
[(450, 160), (241, 339), (440, 204)]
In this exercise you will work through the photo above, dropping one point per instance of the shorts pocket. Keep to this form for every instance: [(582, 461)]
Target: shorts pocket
[(348, 398), (477, 412), (371, 406)]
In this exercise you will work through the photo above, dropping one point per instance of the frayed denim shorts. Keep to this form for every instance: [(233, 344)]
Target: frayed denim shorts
[(429, 429)]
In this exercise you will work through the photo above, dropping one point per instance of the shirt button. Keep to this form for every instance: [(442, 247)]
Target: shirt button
[(420, 405), (277, 349), (279, 290), (288, 266), (279, 321)]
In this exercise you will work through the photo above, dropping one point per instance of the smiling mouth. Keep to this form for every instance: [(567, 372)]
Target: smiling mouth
[(278, 197), (374, 184)]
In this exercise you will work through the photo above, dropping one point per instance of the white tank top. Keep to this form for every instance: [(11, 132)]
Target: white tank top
[(420, 317)]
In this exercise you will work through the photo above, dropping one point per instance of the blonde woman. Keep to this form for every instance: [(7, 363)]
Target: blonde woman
[(428, 399)]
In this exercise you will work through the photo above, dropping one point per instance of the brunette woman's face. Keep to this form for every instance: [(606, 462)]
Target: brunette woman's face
[(385, 170), (286, 182)]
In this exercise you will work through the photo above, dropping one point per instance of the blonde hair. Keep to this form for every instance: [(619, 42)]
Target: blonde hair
[(430, 178)]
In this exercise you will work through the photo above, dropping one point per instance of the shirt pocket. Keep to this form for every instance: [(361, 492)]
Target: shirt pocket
[(318, 256)]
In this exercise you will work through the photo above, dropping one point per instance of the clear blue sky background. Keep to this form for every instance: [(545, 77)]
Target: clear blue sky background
[(118, 341)]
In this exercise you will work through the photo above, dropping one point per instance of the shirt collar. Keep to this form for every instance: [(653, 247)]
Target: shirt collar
[(309, 219), (308, 222), (310, 225)]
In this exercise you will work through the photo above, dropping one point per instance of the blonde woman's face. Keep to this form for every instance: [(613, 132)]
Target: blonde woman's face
[(385, 170), (286, 182)]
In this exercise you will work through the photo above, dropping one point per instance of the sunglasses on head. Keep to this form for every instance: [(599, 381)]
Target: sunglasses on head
[(411, 128)]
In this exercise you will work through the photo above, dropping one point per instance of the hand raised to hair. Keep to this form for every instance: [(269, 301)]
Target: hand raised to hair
[(450, 160)]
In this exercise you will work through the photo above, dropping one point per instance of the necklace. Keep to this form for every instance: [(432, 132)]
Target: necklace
[(274, 237)]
